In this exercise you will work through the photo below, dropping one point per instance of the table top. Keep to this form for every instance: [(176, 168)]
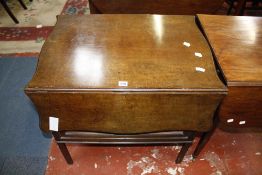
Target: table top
[(237, 44), (127, 53)]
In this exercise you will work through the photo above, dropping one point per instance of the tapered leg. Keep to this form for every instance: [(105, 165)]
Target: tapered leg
[(182, 152), (63, 148), (22, 4), (206, 135), (65, 153), (9, 11), (202, 142)]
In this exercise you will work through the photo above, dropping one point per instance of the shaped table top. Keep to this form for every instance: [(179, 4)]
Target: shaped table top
[(127, 53)]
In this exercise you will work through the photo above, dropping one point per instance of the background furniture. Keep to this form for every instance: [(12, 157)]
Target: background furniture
[(238, 51), (126, 79), (10, 13), (241, 68), (171, 7), (241, 5)]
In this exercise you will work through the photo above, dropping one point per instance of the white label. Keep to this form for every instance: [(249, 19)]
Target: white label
[(122, 83), (187, 44), (242, 122), (197, 54), (200, 69), (39, 26), (230, 120), (53, 123)]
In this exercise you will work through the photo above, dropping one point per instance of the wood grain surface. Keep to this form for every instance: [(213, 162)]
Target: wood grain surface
[(237, 44), (79, 70), (242, 104), (127, 113), (147, 51)]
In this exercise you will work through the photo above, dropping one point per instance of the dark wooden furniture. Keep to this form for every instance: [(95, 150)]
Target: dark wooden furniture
[(8, 10), (237, 43), (241, 6), (167, 7), (126, 79)]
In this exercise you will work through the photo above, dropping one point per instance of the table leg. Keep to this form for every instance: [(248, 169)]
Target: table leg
[(63, 148), (206, 135), (185, 147), (9, 11), (182, 152), (202, 142), (22, 4)]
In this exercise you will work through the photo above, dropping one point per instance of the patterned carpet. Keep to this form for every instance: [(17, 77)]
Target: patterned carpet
[(35, 24)]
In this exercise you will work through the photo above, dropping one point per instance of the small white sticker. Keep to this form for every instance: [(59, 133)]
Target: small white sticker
[(39, 26), (242, 122), (53, 123), (200, 69), (197, 54), (230, 120), (187, 44), (122, 83)]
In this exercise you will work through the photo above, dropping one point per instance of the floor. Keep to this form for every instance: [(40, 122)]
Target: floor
[(23, 147), (227, 153), (35, 24)]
